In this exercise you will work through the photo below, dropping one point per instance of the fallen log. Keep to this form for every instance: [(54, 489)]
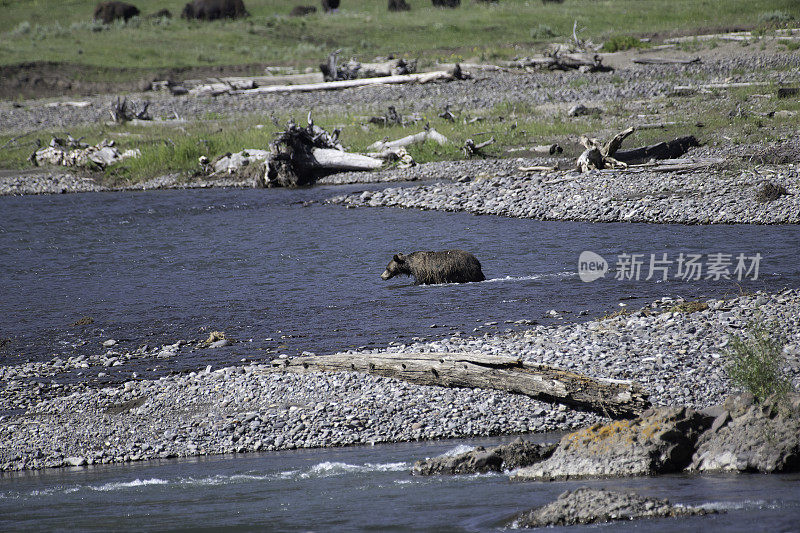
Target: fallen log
[(663, 150), (424, 77), (598, 156), (562, 61), (613, 398), (549, 149), (470, 148), (683, 90), (664, 61), (421, 137)]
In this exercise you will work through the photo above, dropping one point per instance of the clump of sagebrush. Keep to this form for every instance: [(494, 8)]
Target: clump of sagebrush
[(756, 361), (770, 191), (542, 31), (617, 43)]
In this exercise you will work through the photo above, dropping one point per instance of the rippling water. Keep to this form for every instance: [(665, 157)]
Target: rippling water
[(154, 267), (356, 489)]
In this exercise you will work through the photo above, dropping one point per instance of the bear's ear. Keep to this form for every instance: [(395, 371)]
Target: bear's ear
[(399, 257)]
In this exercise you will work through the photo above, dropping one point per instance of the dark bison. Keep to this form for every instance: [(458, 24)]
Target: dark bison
[(302, 11), (162, 13), (108, 12), (450, 266), (399, 5), (330, 5), (446, 3), (214, 9)]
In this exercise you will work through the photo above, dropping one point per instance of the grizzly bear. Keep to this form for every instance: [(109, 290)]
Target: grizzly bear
[(108, 12), (450, 266), (214, 9)]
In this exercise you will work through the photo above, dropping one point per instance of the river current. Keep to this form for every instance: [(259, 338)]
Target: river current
[(281, 272)]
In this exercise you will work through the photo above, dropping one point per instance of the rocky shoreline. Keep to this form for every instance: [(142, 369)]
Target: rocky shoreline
[(673, 350), (709, 196)]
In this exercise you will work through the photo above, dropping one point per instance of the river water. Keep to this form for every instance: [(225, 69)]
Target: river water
[(356, 489), (282, 272)]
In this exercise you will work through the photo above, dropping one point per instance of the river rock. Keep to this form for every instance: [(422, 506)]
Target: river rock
[(516, 454), (662, 440), (763, 438), (587, 506)]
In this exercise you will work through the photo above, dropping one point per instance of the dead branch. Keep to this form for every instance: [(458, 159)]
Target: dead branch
[(597, 156), (471, 149), (123, 111), (421, 137)]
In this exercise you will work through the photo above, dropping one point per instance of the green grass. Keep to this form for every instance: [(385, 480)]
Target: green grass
[(756, 361), (618, 43), (176, 149), (61, 30)]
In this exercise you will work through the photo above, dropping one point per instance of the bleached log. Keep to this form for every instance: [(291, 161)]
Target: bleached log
[(420, 137), (691, 89), (69, 104), (538, 168), (597, 156), (331, 159), (549, 149), (614, 398), (347, 84)]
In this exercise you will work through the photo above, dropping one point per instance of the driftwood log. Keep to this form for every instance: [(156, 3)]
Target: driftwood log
[(664, 61), (599, 156), (421, 137), (423, 77), (663, 150), (613, 398), (585, 62), (301, 155)]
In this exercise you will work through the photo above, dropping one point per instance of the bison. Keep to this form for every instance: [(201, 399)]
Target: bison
[(214, 9), (330, 5), (302, 11), (446, 3), (399, 5), (108, 12)]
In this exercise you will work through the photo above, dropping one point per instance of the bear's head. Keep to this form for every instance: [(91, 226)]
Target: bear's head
[(396, 266)]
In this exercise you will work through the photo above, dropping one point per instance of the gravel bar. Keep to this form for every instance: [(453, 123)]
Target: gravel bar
[(676, 355), (699, 197)]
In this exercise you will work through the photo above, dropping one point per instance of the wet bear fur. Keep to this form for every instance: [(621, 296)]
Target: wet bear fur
[(214, 9), (108, 12), (449, 266)]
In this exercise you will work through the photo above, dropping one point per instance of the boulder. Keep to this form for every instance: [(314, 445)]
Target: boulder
[(516, 454), (751, 437), (660, 441), (589, 506)]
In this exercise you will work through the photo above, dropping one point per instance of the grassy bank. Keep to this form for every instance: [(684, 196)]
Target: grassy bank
[(514, 126), (62, 31)]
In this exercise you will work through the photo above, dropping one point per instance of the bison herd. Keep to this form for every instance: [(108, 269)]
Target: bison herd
[(108, 12)]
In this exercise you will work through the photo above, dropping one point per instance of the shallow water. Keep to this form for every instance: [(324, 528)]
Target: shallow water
[(355, 489), (155, 267)]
